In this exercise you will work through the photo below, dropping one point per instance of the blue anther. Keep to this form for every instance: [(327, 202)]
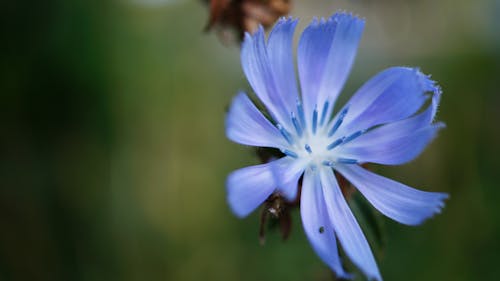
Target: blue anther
[(355, 135), (308, 148), (328, 163), (300, 112), (347, 161), (296, 124), (290, 153), (323, 113), (285, 133), (315, 120), (335, 143), (313, 167), (338, 122)]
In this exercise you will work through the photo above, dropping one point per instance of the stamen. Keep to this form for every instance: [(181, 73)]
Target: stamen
[(313, 167), (328, 163), (323, 113), (296, 124), (335, 143), (285, 133), (290, 153), (355, 135), (339, 121), (315, 119), (300, 112), (347, 161), (308, 148)]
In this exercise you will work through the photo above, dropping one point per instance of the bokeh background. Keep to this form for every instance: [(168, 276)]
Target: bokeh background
[(113, 154)]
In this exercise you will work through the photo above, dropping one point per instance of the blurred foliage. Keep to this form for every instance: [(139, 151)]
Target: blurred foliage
[(113, 154)]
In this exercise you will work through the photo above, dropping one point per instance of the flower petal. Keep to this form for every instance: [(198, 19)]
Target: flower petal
[(317, 225), (245, 124), (392, 95), (346, 227), (386, 146), (398, 142), (249, 187), (287, 172), (403, 127), (280, 50), (257, 67), (325, 56), (393, 199)]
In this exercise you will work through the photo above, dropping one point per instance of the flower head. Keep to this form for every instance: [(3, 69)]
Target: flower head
[(384, 122)]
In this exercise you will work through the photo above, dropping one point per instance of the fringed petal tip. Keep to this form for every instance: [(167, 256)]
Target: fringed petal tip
[(285, 24), (336, 18), (249, 35), (430, 86), (426, 83), (441, 197), (347, 16), (286, 20), (439, 126), (439, 204), (260, 31)]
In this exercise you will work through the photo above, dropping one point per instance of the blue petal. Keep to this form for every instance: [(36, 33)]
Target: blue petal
[(287, 172), (260, 74), (390, 147), (280, 50), (397, 142), (317, 223), (393, 199), (249, 187), (346, 227), (392, 95), (245, 124), (325, 56)]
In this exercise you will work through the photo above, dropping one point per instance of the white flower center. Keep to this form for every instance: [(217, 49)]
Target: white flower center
[(317, 140)]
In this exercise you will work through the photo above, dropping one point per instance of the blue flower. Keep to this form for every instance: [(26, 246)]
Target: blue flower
[(389, 120)]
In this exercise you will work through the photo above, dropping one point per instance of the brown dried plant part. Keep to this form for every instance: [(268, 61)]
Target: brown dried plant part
[(243, 16), (276, 211)]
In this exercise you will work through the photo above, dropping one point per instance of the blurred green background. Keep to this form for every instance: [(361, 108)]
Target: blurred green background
[(113, 154)]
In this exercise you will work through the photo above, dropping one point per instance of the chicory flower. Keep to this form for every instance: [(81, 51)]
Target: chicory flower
[(389, 120)]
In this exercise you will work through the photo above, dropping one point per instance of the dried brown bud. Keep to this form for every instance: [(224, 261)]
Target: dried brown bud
[(276, 210), (244, 15)]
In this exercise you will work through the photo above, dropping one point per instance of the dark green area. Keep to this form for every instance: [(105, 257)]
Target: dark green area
[(113, 154)]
